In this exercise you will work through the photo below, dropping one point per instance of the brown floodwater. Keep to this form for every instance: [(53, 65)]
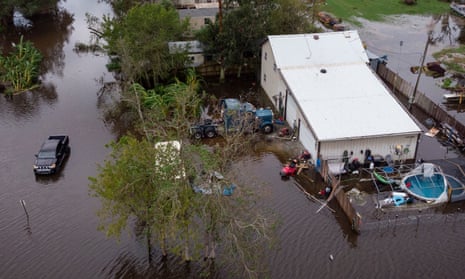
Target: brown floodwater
[(57, 237)]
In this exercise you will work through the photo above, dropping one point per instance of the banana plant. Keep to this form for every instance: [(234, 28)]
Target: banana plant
[(21, 67)]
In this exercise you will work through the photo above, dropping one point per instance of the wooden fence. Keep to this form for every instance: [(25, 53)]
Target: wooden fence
[(343, 200), (421, 101)]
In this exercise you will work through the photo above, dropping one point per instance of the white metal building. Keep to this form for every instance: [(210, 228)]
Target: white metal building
[(323, 85)]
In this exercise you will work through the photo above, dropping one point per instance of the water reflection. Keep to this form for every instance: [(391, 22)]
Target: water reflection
[(53, 178), (130, 266), (28, 104)]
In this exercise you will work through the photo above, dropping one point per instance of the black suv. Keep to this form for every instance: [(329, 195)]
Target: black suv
[(51, 155)]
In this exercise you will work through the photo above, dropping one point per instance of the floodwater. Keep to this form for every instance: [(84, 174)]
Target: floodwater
[(55, 235), (403, 40)]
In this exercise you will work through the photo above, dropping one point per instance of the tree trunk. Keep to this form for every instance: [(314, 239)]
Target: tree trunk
[(163, 244), (187, 257), (222, 74), (239, 70), (149, 244)]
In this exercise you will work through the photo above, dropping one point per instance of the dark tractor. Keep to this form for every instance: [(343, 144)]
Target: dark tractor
[(205, 130)]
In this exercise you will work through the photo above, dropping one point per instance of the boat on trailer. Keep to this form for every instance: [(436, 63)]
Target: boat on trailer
[(426, 182)]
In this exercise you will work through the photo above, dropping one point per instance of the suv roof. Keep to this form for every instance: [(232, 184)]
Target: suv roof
[(50, 145)]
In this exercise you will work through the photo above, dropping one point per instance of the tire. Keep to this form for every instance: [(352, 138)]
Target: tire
[(197, 135), (210, 134), (267, 129)]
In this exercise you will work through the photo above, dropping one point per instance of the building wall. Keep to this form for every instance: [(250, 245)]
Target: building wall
[(270, 78), (196, 23), (356, 148), (196, 59), (307, 139), (274, 86)]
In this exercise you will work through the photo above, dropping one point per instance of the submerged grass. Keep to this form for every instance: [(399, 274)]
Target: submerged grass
[(376, 10), (452, 58)]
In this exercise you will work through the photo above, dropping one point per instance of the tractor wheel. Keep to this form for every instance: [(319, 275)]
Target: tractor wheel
[(197, 135), (267, 129), (210, 134)]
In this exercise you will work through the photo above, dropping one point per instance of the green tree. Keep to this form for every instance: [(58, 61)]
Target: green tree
[(166, 111), (290, 17), (144, 182), (235, 39), (214, 227), (140, 40), (20, 68)]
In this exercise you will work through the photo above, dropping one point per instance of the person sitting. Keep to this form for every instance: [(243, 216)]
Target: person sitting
[(305, 156), (293, 164)]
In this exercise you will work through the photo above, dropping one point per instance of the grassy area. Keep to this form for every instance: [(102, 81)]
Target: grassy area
[(453, 58), (375, 10)]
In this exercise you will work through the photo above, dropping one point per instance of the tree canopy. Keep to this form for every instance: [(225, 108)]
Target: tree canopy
[(140, 40), (236, 39), (154, 186)]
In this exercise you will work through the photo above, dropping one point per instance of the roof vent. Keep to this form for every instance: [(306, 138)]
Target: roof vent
[(316, 37), (323, 71)]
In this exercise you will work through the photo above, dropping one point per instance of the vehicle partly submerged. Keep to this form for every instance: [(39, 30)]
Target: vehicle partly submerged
[(426, 182)]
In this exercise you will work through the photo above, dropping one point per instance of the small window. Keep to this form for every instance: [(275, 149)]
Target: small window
[(265, 55), (207, 20), (274, 67), (264, 77)]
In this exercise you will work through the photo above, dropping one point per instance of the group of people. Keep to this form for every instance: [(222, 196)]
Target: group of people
[(304, 157)]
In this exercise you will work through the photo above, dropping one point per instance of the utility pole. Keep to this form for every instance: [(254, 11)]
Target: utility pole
[(220, 16), (220, 30), (313, 11), (398, 66), (420, 70)]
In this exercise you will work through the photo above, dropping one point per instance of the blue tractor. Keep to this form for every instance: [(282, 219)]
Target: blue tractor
[(238, 116)]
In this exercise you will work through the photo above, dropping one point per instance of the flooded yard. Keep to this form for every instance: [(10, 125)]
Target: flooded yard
[(55, 234)]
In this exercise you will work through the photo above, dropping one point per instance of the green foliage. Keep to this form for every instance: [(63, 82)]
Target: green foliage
[(142, 181), (452, 58), (121, 7), (20, 68), (167, 111), (289, 17), (447, 83), (244, 28), (140, 39), (151, 185)]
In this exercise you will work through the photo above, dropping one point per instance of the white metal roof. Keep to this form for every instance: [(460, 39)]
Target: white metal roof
[(339, 94)]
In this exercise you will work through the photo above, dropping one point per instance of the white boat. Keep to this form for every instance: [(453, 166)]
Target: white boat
[(454, 98), (458, 8), (426, 182), (395, 199)]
